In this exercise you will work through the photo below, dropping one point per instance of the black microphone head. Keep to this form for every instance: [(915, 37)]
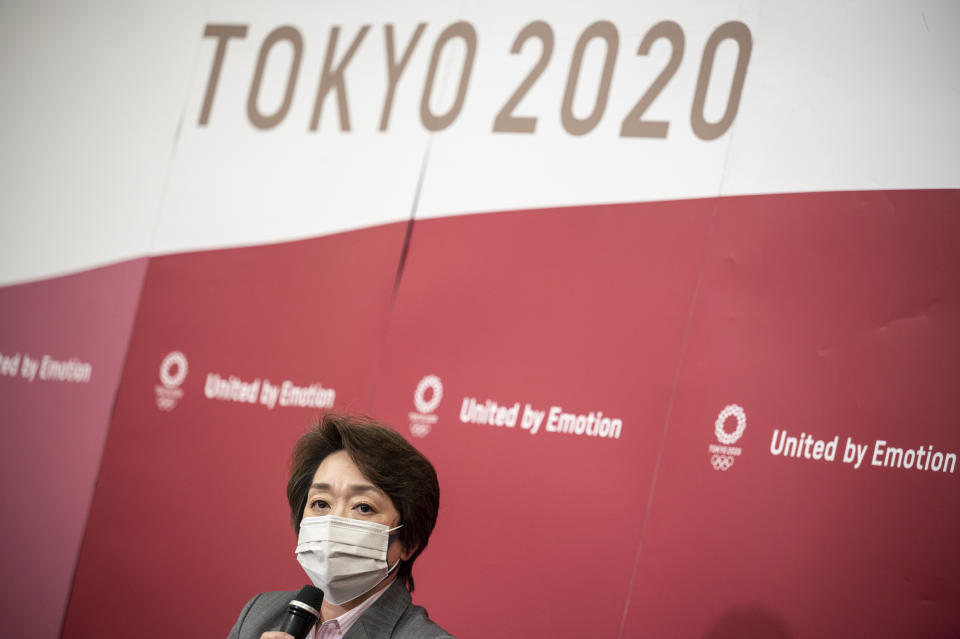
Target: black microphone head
[(302, 613), (310, 595)]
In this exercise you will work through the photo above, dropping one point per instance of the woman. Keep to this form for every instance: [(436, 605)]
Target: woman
[(364, 502)]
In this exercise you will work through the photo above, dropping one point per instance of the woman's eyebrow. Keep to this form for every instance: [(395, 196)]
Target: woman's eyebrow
[(353, 488), (366, 488)]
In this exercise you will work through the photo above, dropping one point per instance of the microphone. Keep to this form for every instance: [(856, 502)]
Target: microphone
[(302, 612)]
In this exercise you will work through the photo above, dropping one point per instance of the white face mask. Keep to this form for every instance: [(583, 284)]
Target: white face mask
[(343, 557)]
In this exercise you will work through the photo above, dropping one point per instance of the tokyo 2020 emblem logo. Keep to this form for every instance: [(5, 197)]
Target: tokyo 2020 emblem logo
[(426, 399), (173, 372), (722, 456)]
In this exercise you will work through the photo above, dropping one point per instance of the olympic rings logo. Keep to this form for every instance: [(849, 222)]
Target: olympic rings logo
[(721, 462)]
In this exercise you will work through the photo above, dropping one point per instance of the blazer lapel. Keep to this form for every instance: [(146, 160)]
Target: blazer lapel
[(379, 620)]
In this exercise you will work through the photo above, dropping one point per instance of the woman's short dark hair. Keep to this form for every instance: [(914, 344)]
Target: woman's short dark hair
[(386, 459)]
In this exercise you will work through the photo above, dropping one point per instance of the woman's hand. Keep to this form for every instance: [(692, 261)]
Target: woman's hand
[(275, 635)]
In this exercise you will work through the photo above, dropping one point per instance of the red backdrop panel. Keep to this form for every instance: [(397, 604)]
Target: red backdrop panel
[(54, 431), (835, 315), (189, 517), (582, 308)]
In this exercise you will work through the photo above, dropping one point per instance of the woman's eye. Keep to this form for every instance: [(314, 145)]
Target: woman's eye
[(317, 504), (366, 509)]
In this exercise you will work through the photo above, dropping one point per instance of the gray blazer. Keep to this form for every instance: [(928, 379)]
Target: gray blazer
[(392, 616)]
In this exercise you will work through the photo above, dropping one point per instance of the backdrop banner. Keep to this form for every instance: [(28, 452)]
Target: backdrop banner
[(667, 292)]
